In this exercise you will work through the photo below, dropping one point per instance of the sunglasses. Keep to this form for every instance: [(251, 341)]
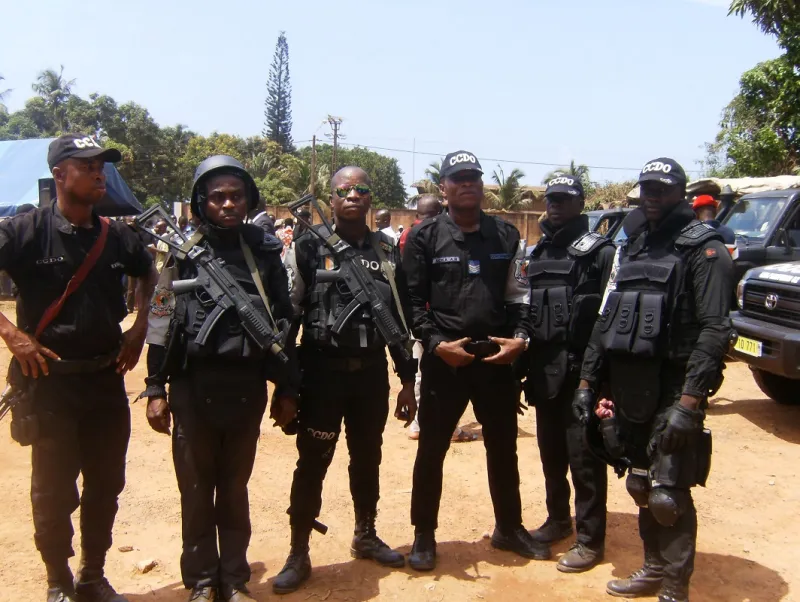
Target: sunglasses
[(465, 176), (361, 189)]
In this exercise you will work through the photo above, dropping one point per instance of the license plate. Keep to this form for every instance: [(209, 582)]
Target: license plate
[(748, 346)]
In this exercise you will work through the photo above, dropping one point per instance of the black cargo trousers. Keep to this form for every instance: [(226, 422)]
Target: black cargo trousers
[(85, 426), (213, 449), (673, 547), (444, 395), (336, 389), (562, 448)]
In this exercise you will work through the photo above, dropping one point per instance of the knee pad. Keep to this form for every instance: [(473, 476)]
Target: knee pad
[(667, 505), (638, 487)]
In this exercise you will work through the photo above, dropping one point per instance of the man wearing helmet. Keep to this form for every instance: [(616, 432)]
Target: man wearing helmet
[(218, 392)]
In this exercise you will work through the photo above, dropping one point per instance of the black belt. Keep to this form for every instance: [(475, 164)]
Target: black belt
[(94, 364), (343, 364)]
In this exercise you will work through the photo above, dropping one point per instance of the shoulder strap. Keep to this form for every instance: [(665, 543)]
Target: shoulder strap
[(51, 313), (696, 233), (587, 244), (251, 265), (389, 271)]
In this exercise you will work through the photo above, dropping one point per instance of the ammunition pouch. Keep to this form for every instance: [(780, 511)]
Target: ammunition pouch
[(635, 387), (685, 468), (632, 323), (25, 423), (550, 314)]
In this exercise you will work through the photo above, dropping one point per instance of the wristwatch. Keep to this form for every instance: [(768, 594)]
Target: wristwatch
[(524, 337)]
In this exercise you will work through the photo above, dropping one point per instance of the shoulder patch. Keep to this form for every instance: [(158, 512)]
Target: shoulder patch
[(711, 253), (271, 242), (162, 303), (587, 244), (386, 247), (696, 233)]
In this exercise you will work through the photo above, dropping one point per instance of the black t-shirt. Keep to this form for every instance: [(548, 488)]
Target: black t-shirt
[(41, 251)]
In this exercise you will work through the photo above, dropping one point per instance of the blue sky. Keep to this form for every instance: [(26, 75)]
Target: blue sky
[(607, 83)]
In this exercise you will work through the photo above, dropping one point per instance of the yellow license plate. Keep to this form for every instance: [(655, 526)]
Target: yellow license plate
[(748, 346)]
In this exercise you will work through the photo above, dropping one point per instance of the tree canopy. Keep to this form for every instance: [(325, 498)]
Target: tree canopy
[(158, 162), (278, 112)]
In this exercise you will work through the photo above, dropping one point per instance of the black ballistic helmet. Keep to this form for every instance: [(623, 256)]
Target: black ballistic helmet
[(217, 165)]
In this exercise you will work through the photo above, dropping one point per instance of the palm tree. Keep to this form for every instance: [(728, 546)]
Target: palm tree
[(429, 184), (509, 193), (4, 94), (576, 171), (55, 90)]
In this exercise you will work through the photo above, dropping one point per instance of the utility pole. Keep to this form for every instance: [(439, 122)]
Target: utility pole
[(313, 185), (335, 123)]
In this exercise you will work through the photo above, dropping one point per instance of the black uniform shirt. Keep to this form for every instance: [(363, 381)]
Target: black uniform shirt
[(466, 284), (302, 260), (709, 281), (41, 251)]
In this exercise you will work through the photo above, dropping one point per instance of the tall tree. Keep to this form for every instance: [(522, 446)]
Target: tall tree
[(55, 90), (278, 113), (4, 94)]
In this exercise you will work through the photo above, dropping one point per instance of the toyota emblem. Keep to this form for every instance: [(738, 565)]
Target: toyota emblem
[(771, 302)]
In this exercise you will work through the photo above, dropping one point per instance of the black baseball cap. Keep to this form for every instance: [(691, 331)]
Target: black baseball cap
[(78, 146), (459, 161), (664, 170), (564, 184)]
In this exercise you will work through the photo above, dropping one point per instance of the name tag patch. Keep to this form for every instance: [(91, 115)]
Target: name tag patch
[(451, 259), (500, 256), (474, 266)]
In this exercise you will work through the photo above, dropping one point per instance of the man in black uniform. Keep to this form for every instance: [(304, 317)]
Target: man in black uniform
[(218, 390), (659, 345), (345, 376), (568, 271), (73, 367), (470, 308)]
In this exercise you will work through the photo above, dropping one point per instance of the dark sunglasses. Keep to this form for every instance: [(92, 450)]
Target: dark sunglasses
[(361, 189), (467, 175), (654, 189)]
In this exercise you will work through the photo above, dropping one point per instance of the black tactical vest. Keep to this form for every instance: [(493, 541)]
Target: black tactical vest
[(564, 306), (327, 301), (650, 312)]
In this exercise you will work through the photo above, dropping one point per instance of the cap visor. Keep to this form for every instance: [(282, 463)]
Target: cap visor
[(460, 168), (109, 155), (659, 177), (562, 189)]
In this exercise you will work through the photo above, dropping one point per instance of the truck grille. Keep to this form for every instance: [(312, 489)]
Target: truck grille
[(786, 310)]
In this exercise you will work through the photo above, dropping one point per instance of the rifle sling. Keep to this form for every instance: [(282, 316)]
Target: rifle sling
[(251, 265), (388, 270)]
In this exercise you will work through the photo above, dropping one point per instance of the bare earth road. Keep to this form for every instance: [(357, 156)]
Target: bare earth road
[(748, 549)]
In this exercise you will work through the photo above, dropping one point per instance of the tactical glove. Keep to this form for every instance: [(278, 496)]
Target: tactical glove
[(583, 405), (680, 426)]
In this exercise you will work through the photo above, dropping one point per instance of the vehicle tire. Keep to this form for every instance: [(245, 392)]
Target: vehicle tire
[(781, 389)]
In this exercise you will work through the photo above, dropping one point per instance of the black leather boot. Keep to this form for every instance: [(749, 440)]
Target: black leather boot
[(91, 584), (552, 531), (60, 593), (644, 582), (297, 569), (423, 552), (673, 593), (520, 542), (367, 544)]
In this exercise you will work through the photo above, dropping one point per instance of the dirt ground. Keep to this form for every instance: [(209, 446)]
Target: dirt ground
[(748, 544)]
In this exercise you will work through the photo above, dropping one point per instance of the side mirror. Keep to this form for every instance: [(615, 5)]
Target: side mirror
[(782, 240)]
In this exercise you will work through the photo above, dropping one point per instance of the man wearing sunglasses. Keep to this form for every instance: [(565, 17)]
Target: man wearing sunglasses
[(657, 349), (471, 313), (345, 376)]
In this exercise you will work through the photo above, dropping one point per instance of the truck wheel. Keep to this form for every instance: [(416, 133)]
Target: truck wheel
[(781, 389)]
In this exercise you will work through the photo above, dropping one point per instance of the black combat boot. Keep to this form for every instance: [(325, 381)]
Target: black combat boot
[(60, 587), (673, 593), (520, 542), (203, 593), (644, 582), (423, 552), (297, 569), (367, 544), (60, 594), (91, 584), (552, 531)]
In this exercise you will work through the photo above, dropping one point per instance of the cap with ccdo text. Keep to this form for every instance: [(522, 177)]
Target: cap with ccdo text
[(459, 161), (78, 146), (565, 184), (703, 200), (664, 170)]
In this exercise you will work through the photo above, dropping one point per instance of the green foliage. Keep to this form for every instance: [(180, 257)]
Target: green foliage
[(387, 179), (3, 95), (278, 113), (158, 163), (509, 193), (759, 131), (609, 194), (576, 171)]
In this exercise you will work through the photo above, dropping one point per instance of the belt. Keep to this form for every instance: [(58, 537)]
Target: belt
[(344, 364), (94, 364)]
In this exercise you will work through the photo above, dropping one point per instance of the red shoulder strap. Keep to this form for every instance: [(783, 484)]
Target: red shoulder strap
[(77, 279)]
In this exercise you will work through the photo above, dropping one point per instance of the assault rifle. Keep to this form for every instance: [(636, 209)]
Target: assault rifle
[(218, 284), (360, 283), (8, 399)]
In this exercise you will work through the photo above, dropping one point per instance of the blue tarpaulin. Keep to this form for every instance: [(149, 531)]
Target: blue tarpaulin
[(24, 162)]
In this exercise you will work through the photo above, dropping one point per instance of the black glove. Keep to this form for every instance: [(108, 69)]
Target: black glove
[(583, 405), (680, 426)]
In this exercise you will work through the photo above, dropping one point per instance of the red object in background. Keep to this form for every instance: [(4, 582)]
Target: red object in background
[(402, 242)]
